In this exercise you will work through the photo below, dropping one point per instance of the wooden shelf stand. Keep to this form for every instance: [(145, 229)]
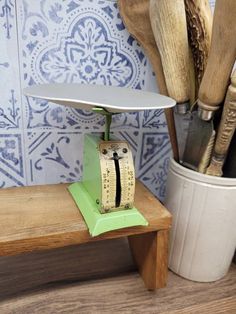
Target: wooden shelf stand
[(46, 217)]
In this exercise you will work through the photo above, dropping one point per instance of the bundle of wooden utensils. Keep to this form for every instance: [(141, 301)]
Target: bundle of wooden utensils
[(192, 53)]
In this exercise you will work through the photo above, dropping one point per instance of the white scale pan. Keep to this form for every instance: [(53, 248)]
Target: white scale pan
[(113, 99)]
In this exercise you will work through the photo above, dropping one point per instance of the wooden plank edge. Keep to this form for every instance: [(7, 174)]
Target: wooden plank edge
[(52, 241)]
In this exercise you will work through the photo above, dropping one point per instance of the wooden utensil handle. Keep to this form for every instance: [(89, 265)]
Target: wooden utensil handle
[(226, 130), (135, 15), (199, 22), (169, 27), (221, 59)]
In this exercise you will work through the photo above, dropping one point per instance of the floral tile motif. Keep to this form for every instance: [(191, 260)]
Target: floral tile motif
[(7, 8), (155, 178), (75, 41), (71, 41), (152, 161), (153, 146), (11, 160), (10, 112), (54, 157), (127, 121), (154, 120)]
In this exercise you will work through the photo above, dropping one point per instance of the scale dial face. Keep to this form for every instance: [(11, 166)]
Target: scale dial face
[(118, 176)]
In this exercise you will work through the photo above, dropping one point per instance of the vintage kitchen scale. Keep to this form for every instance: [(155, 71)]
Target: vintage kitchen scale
[(105, 197)]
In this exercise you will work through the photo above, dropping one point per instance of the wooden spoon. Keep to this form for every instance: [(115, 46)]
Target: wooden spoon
[(168, 22), (135, 15)]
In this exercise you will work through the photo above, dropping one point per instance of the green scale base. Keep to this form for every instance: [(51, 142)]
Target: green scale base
[(99, 223)]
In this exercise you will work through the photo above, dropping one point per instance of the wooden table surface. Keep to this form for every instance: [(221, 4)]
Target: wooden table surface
[(95, 277), (45, 217)]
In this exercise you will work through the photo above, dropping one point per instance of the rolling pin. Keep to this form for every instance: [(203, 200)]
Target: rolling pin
[(199, 24), (221, 59), (168, 20), (135, 15), (226, 131)]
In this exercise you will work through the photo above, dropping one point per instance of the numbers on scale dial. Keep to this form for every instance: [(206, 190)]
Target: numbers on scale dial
[(127, 176), (127, 179)]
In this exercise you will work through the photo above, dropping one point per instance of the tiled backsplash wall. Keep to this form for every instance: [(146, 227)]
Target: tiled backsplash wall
[(85, 41)]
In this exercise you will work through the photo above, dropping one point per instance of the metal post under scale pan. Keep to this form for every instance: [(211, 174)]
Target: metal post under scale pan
[(105, 196)]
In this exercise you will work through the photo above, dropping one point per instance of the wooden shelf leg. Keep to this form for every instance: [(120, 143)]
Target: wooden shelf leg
[(150, 252)]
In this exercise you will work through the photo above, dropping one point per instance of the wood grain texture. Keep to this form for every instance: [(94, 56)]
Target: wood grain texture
[(114, 294), (150, 252), (228, 120), (87, 261), (192, 84), (45, 217), (135, 15), (199, 21), (225, 132), (221, 57), (169, 26), (225, 305), (170, 120), (206, 158), (162, 257)]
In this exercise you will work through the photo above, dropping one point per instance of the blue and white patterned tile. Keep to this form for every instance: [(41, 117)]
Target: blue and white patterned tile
[(150, 83), (126, 121), (154, 120), (154, 149), (155, 178), (75, 41), (152, 159), (10, 100), (71, 41), (7, 22), (54, 157), (212, 4), (12, 170), (11, 160)]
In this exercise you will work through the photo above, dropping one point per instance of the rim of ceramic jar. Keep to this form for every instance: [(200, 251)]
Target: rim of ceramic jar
[(200, 177)]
